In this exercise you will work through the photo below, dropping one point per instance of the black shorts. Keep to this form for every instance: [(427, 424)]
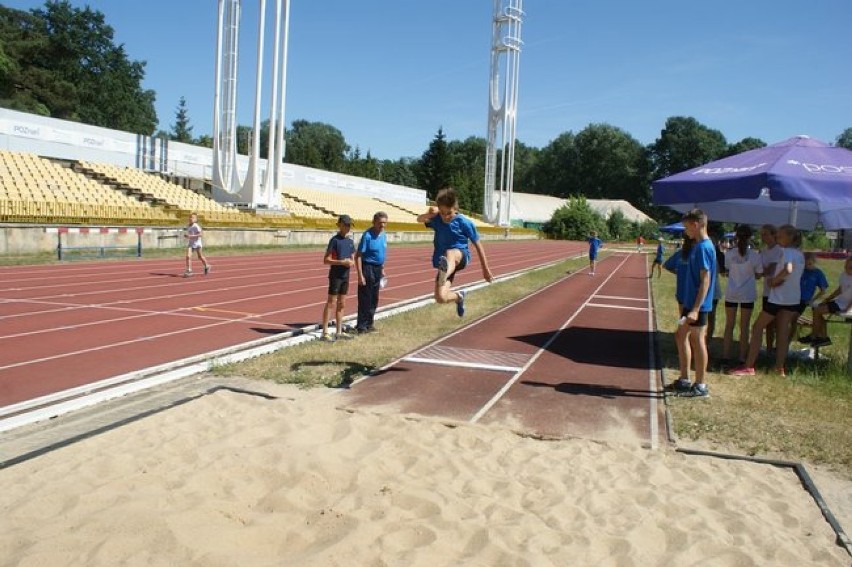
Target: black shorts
[(745, 305), (338, 286), (802, 306), (459, 267), (773, 308), (702, 318), (833, 307)]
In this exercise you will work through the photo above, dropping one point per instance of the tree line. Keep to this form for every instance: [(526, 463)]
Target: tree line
[(61, 61)]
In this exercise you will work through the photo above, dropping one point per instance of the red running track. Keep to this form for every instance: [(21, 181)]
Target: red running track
[(71, 325), (574, 359)]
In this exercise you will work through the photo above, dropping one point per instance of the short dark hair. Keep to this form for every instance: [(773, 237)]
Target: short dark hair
[(696, 215), (380, 215), (446, 197)]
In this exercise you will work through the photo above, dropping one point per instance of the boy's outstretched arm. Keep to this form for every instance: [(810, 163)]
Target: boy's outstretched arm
[(486, 271), (428, 215)]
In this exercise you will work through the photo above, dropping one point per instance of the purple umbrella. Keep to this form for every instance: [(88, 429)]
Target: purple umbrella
[(801, 181)]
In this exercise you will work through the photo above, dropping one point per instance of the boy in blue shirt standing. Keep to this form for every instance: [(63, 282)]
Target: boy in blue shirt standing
[(697, 304), (453, 231), (594, 245), (338, 255), (369, 263)]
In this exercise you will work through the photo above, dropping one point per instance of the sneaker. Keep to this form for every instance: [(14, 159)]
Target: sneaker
[(346, 335), (591, 273), (820, 342), (207, 269), (327, 338), (697, 391), (187, 274), (806, 340), (680, 385), (460, 303), (741, 371), (443, 266)]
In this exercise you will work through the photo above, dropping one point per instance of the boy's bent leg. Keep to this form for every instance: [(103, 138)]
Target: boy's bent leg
[(447, 264)]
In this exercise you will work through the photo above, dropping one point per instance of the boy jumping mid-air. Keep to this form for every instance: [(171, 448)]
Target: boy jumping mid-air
[(453, 231)]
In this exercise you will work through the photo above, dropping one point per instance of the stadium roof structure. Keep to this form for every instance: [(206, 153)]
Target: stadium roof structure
[(532, 208)]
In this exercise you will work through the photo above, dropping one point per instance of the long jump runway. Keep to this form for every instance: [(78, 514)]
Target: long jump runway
[(70, 328), (574, 359)]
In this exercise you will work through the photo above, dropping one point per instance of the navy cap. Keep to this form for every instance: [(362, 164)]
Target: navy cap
[(344, 219)]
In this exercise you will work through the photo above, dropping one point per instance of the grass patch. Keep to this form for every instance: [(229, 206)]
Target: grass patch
[(323, 364), (806, 416)]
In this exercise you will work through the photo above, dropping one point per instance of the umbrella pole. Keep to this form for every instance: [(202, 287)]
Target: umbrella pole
[(794, 212)]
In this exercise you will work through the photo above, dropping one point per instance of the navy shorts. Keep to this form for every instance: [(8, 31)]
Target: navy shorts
[(833, 307), (745, 305), (459, 267), (702, 318), (338, 286), (773, 308)]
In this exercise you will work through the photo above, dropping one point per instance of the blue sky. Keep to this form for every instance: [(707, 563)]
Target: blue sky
[(389, 73)]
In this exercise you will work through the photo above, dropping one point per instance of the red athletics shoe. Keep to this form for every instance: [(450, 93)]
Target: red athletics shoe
[(741, 371)]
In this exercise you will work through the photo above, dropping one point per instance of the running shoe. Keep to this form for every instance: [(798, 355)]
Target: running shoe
[(346, 335), (806, 340), (460, 303), (187, 274), (443, 266), (741, 371), (820, 342), (697, 391), (680, 385), (327, 338), (207, 269)]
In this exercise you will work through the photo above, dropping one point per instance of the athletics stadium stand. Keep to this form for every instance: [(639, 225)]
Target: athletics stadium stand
[(532, 211), (154, 189), (38, 190)]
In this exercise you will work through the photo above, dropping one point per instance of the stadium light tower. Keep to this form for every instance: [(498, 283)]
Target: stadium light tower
[(257, 189), (502, 109)]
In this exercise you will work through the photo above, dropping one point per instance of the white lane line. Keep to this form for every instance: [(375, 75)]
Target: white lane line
[(611, 306), (462, 364), (652, 381), (620, 298), (511, 382)]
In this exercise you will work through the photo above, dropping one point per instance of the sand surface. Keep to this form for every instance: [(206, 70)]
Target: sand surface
[(233, 479)]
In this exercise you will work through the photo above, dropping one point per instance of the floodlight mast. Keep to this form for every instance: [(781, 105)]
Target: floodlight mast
[(258, 189), (502, 110)]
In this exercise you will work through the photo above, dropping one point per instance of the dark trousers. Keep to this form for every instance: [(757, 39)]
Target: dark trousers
[(368, 295)]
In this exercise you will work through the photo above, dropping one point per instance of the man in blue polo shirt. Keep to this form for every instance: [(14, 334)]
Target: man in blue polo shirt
[(369, 263)]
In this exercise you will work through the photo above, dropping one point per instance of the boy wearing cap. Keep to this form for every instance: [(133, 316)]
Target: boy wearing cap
[(340, 256)]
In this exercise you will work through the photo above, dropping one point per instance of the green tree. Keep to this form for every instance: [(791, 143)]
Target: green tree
[(608, 164), (434, 170), (617, 226), (181, 130), (551, 168), (467, 161), (844, 140), (744, 145), (685, 143), (399, 172), (574, 220), (107, 85), (317, 145)]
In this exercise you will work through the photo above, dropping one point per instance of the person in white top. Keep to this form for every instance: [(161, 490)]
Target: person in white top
[(838, 301), (781, 305), (743, 268), (192, 234)]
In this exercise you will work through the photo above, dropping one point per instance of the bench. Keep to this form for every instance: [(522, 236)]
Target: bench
[(845, 317)]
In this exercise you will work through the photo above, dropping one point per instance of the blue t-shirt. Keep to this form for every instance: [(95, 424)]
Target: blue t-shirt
[(812, 279), (701, 257), (373, 248), (594, 245), (659, 258), (454, 234), (340, 248), (678, 265)]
